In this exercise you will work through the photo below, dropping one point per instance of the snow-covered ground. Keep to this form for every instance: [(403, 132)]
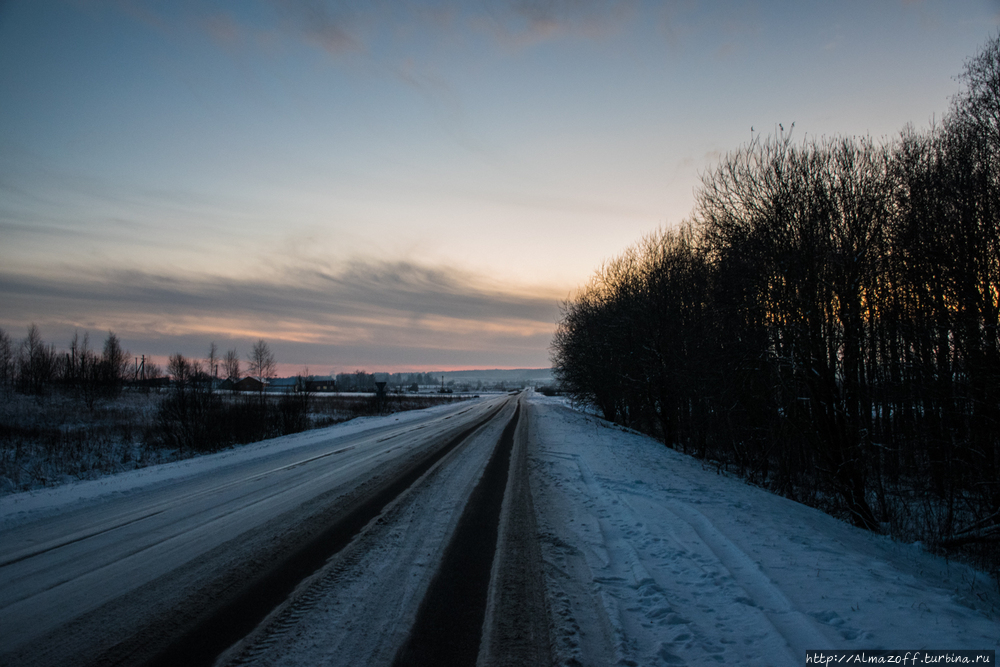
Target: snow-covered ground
[(652, 558), (359, 609), (19, 507), (649, 556), (120, 565)]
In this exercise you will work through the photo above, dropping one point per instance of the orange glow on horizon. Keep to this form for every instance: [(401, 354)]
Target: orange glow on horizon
[(291, 370)]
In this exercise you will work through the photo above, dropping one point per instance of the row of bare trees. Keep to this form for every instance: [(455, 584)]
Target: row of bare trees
[(827, 323), (195, 417), (33, 367), (261, 364)]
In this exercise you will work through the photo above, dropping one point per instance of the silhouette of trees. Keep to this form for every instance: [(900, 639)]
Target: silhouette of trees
[(113, 367), (212, 361), (36, 363), (180, 370), (196, 418), (261, 361), (7, 361), (827, 324), (231, 366)]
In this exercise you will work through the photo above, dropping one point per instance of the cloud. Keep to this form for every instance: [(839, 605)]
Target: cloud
[(331, 26), (339, 27), (380, 310), (530, 21), (359, 290)]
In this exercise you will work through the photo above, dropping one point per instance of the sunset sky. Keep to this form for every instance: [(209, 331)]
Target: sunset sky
[(402, 185)]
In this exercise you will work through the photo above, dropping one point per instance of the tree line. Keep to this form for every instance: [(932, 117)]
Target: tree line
[(261, 365), (31, 366), (826, 323)]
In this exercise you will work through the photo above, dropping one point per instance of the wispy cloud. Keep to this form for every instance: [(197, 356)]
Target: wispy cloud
[(334, 27), (376, 309), (530, 21), (361, 289), (338, 27)]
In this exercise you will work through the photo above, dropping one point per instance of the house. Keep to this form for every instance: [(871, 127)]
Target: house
[(283, 385), (249, 384), (316, 383)]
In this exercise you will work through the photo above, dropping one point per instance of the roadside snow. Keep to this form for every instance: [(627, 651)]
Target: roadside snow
[(652, 559), (15, 508)]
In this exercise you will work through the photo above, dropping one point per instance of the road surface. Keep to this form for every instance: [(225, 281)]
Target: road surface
[(176, 572)]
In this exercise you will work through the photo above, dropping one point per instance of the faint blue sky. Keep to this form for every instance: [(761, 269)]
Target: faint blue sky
[(402, 184)]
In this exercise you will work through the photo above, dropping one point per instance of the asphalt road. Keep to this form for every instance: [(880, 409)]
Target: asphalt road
[(180, 570)]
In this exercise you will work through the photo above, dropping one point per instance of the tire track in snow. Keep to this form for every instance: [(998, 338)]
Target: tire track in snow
[(652, 603), (624, 569), (797, 629), (275, 641), (674, 591), (231, 621), (361, 606), (449, 623)]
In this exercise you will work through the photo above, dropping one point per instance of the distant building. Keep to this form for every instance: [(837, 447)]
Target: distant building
[(284, 385), (321, 384), (249, 384)]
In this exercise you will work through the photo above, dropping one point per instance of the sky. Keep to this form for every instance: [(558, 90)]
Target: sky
[(407, 185)]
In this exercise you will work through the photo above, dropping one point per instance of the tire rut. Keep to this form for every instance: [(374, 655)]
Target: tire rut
[(232, 620), (449, 623)]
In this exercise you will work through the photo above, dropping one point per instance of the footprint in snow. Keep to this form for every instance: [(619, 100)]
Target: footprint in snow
[(833, 619), (665, 657)]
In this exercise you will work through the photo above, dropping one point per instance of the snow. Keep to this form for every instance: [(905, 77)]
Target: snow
[(359, 608), (653, 559), (20, 507), (123, 562), (649, 556)]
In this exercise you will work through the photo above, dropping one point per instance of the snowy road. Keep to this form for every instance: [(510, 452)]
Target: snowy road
[(608, 549), (117, 578)]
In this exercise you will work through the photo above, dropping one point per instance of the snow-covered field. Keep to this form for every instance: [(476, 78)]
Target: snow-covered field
[(653, 559)]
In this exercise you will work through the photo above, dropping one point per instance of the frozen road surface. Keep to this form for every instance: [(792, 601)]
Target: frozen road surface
[(507, 531)]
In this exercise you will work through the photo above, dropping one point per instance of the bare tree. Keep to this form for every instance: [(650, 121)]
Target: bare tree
[(114, 364), (212, 360), (231, 366), (6, 361), (262, 363), (179, 369), (36, 363)]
